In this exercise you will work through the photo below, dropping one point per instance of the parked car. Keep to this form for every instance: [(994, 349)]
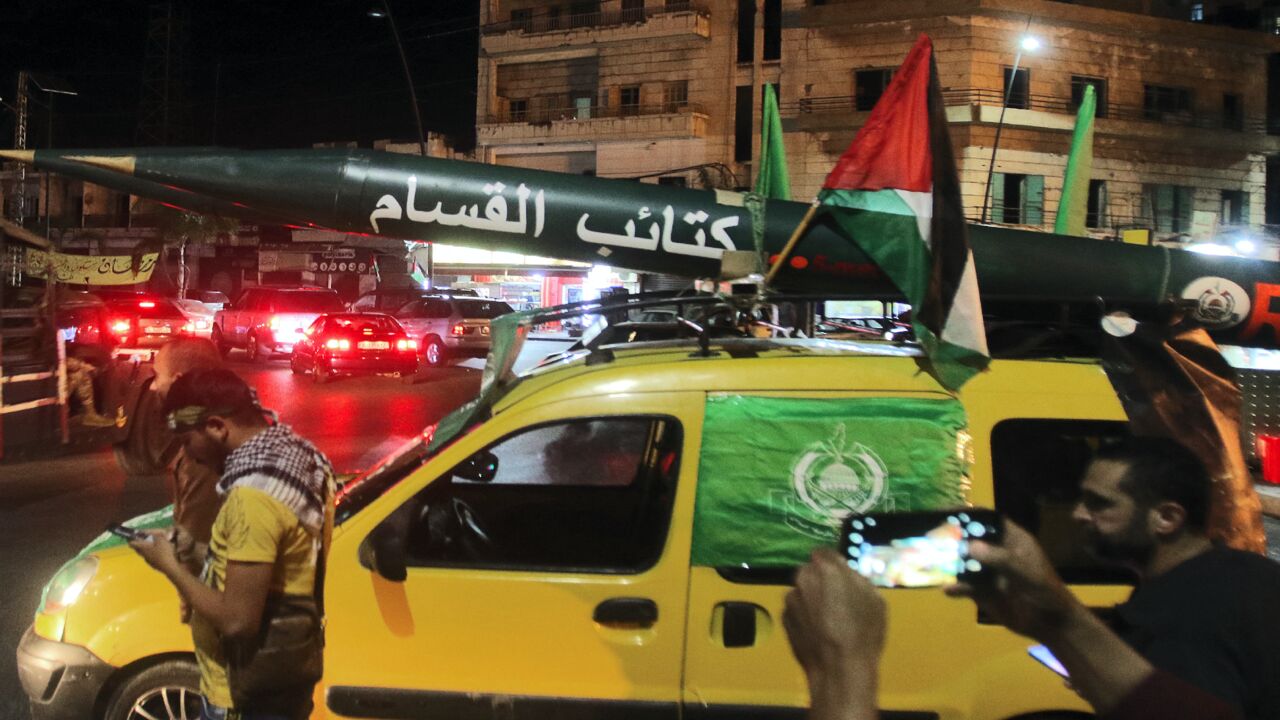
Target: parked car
[(214, 299), (199, 317), (141, 320), (354, 343), (450, 327), (267, 321)]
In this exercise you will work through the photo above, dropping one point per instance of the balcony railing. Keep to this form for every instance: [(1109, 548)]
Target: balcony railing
[(593, 112), (545, 22), (1050, 104)]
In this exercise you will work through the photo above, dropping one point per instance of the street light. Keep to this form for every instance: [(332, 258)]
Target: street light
[(1027, 43), (50, 86), (384, 12)]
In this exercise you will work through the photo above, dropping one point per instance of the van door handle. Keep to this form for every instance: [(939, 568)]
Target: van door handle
[(640, 612)]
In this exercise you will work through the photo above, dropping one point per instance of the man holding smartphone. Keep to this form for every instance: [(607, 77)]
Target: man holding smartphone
[(266, 551), (1200, 611)]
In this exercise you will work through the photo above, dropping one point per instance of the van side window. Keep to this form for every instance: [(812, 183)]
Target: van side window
[(364, 304), (1037, 466), (588, 495), (410, 310)]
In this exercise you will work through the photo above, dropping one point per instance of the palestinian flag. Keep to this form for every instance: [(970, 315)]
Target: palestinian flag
[(901, 173)]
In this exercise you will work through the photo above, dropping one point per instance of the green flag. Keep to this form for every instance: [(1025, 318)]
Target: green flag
[(776, 476), (1075, 185), (772, 180)]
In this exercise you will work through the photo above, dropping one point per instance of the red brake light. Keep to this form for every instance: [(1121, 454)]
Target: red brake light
[(274, 323), (458, 330), (120, 327), (404, 345), (188, 328), (146, 304), (338, 344)]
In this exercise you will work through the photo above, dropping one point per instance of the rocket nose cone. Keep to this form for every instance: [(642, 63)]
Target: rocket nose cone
[(26, 156), (122, 163)]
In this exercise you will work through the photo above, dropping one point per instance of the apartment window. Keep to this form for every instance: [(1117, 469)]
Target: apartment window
[(1160, 101), (678, 5), (1079, 83), (522, 19), (1197, 12), (772, 30), (582, 103), (632, 10), (629, 100), (743, 117), (519, 110), (868, 86), (1017, 87), (1017, 199), (1168, 206), (1232, 111), (1096, 208), (746, 31), (584, 14), (675, 96), (673, 181), (1235, 207), (553, 17)]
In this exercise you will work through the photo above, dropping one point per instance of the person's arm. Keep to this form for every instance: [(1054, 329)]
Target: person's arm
[(1022, 591), (835, 621), (236, 610)]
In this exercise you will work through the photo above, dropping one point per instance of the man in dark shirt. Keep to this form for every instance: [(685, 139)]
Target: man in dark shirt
[(1200, 612)]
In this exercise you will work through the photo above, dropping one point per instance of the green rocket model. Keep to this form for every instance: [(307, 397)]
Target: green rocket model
[(652, 228)]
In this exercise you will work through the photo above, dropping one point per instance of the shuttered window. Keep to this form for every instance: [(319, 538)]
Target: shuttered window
[(1017, 199)]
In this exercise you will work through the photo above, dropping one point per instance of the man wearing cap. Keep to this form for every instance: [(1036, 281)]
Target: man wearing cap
[(266, 551)]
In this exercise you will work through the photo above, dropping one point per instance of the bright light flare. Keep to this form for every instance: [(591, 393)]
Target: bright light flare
[(1030, 43)]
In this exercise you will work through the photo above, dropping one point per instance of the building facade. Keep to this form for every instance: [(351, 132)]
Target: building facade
[(669, 91)]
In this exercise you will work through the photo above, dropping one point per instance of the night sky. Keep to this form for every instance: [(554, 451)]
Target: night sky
[(255, 74)]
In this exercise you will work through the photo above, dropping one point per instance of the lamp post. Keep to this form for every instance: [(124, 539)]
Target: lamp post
[(1028, 43), (50, 86), (385, 12)]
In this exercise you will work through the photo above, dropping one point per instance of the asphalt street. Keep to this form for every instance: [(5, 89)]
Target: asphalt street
[(49, 509)]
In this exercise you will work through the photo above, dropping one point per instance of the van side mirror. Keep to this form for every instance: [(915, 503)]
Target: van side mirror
[(383, 551), (480, 467)]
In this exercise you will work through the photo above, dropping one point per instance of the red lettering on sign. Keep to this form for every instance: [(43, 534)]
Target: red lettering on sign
[(1263, 294)]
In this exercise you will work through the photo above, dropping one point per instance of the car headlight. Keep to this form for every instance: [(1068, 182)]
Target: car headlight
[(65, 587)]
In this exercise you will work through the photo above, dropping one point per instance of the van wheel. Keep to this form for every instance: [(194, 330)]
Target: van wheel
[(219, 342), (166, 691), (434, 352), (150, 445)]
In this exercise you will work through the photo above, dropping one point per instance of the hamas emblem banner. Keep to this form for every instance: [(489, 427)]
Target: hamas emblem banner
[(777, 475)]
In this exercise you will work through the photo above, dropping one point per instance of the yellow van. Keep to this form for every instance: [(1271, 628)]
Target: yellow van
[(602, 545)]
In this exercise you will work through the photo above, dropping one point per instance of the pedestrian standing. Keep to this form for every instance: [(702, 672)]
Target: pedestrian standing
[(257, 605)]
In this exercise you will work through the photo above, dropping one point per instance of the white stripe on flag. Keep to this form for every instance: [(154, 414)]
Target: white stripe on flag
[(963, 326), (921, 204)]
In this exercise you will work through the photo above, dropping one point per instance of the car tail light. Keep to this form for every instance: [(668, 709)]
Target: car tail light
[(274, 323), (121, 327), (202, 324), (458, 330), (188, 328), (404, 345), (338, 344), (146, 304)]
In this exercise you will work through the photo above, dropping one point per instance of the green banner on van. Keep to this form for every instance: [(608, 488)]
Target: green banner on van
[(777, 475)]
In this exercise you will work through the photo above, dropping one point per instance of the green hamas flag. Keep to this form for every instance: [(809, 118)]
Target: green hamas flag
[(773, 180), (1075, 183), (777, 475)]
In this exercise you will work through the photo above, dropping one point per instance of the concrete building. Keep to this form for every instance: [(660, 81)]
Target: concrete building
[(669, 90)]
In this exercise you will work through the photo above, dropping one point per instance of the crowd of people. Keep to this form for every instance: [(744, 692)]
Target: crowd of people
[(253, 513)]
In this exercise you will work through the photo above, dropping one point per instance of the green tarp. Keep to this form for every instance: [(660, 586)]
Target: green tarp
[(777, 475)]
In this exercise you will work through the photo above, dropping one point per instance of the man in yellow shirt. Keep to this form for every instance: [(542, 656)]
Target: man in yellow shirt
[(265, 551)]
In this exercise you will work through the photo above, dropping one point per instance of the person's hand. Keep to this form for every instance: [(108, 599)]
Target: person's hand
[(156, 549), (834, 618), (835, 621), (1019, 588)]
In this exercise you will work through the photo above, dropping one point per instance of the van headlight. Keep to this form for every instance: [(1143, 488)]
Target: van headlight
[(64, 589)]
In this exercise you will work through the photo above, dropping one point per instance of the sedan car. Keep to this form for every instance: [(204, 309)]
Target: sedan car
[(354, 343), (199, 317), (145, 321)]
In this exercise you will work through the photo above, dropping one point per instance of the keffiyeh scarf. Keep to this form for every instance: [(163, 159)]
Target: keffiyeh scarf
[(286, 467)]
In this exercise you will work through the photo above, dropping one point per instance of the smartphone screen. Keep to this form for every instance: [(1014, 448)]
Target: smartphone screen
[(1046, 658), (916, 549)]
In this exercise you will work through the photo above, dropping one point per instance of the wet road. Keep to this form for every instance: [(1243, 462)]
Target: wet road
[(49, 509)]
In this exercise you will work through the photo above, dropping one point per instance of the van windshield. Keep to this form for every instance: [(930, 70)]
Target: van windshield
[(306, 302), (363, 489)]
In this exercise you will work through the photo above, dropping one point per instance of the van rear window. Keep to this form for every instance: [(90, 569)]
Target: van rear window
[(482, 309), (307, 302)]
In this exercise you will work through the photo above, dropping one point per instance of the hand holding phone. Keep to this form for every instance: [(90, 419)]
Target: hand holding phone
[(917, 549)]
